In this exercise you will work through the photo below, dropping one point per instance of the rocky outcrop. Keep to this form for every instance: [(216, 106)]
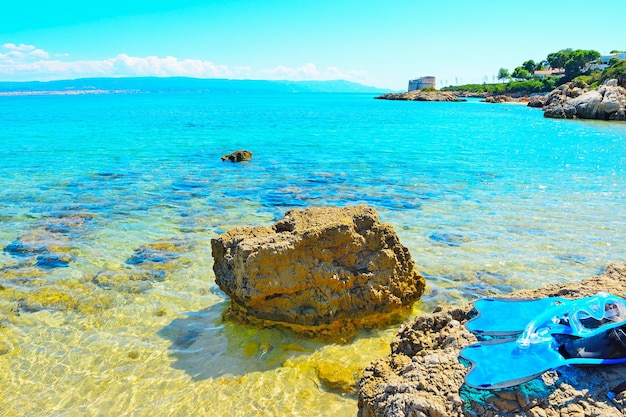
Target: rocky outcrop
[(503, 98), (421, 95), (423, 376), (468, 94), (536, 101), (321, 271), (238, 156), (570, 101)]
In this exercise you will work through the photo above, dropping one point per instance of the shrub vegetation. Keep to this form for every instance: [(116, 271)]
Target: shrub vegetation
[(574, 62)]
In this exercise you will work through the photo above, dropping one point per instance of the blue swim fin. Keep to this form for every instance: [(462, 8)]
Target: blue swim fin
[(502, 363), (587, 331), (508, 316)]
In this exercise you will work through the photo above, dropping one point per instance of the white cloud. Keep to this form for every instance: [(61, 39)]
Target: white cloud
[(21, 47), (22, 53), (27, 62)]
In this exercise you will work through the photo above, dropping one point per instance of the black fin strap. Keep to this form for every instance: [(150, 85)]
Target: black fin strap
[(619, 388), (620, 336)]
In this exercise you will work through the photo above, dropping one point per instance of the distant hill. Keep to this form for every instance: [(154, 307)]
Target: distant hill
[(172, 84)]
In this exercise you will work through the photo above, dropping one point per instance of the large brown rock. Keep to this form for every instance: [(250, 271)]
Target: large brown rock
[(320, 271), (423, 376)]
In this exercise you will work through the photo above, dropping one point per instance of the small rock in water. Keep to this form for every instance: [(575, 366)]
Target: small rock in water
[(450, 239), (238, 156), (147, 254)]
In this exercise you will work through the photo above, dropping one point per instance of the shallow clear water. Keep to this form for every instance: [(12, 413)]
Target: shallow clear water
[(108, 304)]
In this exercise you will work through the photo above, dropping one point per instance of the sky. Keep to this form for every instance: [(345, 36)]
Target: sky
[(381, 43)]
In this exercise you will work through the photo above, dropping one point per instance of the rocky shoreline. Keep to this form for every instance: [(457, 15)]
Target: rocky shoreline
[(421, 95), (423, 376), (571, 100)]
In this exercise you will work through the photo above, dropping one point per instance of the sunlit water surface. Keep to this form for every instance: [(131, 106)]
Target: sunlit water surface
[(108, 302)]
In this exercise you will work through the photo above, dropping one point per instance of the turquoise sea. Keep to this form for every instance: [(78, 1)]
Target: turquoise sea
[(108, 304)]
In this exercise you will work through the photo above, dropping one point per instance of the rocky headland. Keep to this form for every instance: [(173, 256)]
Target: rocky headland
[(575, 101), (421, 95), (322, 272), (422, 377)]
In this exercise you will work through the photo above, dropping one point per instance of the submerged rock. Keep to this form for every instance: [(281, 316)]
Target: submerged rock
[(156, 260), (149, 263), (337, 377), (122, 280), (238, 156), (424, 377), (320, 271), (49, 244), (50, 261), (83, 299)]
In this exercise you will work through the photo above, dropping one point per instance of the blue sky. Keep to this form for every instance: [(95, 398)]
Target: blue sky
[(374, 42)]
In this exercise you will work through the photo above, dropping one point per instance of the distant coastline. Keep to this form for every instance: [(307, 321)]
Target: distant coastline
[(65, 92), (177, 84)]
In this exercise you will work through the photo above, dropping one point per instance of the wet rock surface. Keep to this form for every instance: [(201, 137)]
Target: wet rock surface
[(238, 156), (321, 271), (423, 376)]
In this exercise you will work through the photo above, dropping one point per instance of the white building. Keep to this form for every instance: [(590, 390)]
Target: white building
[(422, 82), (603, 61)]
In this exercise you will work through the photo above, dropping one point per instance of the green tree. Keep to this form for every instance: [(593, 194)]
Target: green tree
[(574, 62), (613, 61), (503, 74), (529, 66), (521, 73), (577, 61), (558, 59), (617, 71)]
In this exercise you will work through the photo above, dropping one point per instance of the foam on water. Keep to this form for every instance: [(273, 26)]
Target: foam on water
[(108, 303)]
